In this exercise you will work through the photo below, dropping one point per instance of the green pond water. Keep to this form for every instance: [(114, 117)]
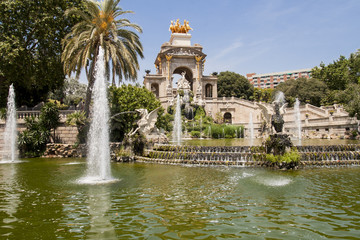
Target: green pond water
[(41, 199)]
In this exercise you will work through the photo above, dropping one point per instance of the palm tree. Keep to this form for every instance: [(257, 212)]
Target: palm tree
[(101, 25)]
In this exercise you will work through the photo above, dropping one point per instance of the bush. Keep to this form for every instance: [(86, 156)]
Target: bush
[(32, 141), (195, 134), (289, 157), (224, 131), (79, 120)]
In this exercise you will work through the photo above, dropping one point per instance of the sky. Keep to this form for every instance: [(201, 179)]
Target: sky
[(251, 36)]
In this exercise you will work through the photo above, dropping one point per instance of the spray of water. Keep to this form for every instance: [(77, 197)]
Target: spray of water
[(98, 154), (177, 122), (10, 134), (279, 97), (251, 129), (297, 118)]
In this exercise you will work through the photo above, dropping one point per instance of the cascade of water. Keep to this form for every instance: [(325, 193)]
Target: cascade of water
[(177, 122), (251, 129), (297, 118), (98, 153), (209, 131), (10, 134)]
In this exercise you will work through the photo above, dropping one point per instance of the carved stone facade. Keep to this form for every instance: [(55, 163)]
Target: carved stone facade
[(178, 56), (175, 57)]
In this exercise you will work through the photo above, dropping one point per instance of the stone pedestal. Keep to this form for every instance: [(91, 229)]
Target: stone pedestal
[(180, 39)]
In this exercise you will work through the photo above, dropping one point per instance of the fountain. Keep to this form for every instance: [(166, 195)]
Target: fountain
[(10, 134), (98, 156), (297, 118), (177, 122)]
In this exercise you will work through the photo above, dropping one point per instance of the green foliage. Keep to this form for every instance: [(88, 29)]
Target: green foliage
[(30, 47), (102, 24), (164, 121), (136, 142), (311, 91), (335, 75), (277, 144), (343, 78), (50, 116), (224, 131), (351, 97), (289, 157), (262, 95), (126, 99), (76, 118), (33, 140), (3, 113), (79, 120), (72, 92), (195, 134), (231, 84)]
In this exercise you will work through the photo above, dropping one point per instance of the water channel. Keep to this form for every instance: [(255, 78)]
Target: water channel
[(41, 199)]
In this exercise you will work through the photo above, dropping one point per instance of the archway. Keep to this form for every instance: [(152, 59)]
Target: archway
[(227, 118), (155, 89), (208, 90), (188, 76)]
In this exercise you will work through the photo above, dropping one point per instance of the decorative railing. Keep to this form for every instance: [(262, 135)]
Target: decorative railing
[(36, 113)]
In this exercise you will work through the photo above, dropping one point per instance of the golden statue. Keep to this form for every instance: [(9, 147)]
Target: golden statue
[(172, 27), (178, 28)]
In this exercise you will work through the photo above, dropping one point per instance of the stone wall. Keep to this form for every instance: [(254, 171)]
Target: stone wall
[(58, 150), (65, 134)]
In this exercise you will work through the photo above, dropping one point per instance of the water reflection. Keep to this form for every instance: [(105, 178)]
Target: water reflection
[(99, 204), (10, 197), (87, 213)]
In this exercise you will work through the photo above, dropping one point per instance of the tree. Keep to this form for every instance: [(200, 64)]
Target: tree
[(263, 95), (231, 84), (311, 91), (350, 97), (101, 25), (340, 73), (72, 92), (50, 117), (30, 47), (123, 103), (354, 67)]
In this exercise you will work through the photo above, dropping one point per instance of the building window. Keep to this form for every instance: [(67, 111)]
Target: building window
[(208, 90), (227, 117), (155, 89)]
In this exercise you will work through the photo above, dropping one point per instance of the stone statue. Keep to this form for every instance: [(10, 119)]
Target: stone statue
[(183, 83), (266, 112), (146, 123), (277, 120)]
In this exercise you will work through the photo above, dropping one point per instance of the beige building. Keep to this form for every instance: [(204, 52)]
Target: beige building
[(271, 80), (178, 57)]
